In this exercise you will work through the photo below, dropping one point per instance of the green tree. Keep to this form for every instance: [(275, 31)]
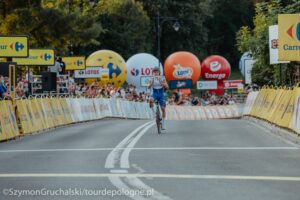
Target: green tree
[(127, 27), (256, 41), (191, 15), (222, 27), (51, 27)]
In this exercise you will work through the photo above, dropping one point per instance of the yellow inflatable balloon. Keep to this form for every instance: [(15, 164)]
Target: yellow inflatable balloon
[(109, 60)]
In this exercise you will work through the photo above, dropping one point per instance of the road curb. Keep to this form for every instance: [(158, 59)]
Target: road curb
[(283, 133)]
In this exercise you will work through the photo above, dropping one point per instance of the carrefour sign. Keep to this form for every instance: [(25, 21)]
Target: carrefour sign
[(37, 57), (74, 62), (289, 37), (14, 46)]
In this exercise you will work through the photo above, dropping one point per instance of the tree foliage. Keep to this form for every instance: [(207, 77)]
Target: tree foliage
[(127, 27), (256, 40), (50, 25)]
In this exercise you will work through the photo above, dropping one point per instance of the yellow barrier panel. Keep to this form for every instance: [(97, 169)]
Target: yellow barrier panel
[(287, 95), (25, 116), (8, 123), (2, 134), (66, 110), (38, 109), (277, 106), (272, 110), (259, 102), (38, 121), (269, 99), (56, 112)]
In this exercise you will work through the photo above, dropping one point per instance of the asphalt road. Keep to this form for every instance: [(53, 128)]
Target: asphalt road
[(126, 159)]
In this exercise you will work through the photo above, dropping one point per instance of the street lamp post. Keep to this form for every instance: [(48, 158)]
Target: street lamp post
[(160, 21)]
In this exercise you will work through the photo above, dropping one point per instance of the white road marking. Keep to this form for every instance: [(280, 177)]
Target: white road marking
[(119, 171), (137, 183), (174, 176), (113, 156), (124, 162), (150, 148)]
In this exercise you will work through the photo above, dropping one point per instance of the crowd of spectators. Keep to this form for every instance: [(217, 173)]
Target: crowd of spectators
[(129, 92), (177, 98)]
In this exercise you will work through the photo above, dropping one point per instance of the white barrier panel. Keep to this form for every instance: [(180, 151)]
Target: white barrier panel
[(250, 102), (295, 122), (202, 113)]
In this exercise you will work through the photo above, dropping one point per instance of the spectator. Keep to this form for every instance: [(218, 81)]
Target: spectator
[(3, 89)]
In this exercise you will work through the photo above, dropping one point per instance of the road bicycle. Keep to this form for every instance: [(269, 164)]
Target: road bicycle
[(158, 117)]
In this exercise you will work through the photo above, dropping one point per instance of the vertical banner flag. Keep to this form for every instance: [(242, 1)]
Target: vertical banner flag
[(248, 69), (273, 45), (289, 37)]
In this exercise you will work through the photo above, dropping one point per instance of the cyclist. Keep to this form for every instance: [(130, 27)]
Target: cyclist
[(158, 83)]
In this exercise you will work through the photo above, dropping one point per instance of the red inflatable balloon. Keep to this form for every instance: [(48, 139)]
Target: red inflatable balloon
[(215, 68), (182, 66), (220, 90)]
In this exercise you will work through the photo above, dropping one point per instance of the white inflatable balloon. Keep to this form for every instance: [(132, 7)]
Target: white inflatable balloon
[(139, 70)]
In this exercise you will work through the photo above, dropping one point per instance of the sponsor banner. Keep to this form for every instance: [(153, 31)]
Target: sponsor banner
[(248, 70), (89, 72), (8, 123), (295, 123), (202, 112), (273, 45), (181, 84), (249, 102), (14, 46), (104, 74), (37, 57), (139, 66), (74, 62), (207, 85), (278, 106), (248, 56), (145, 81), (181, 72), (289, 37), (233, 84)]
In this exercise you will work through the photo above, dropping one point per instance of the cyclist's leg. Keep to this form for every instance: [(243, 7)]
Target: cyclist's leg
[(152, 100), (162, 104)]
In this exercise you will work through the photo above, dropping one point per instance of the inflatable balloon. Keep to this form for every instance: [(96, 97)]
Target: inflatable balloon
[(182, 66), (215, 68), (185, 92), (109, 60), (220, 90), (139, 70)]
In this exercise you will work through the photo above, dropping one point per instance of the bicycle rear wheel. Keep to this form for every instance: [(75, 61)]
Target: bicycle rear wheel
[(158, 121)]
